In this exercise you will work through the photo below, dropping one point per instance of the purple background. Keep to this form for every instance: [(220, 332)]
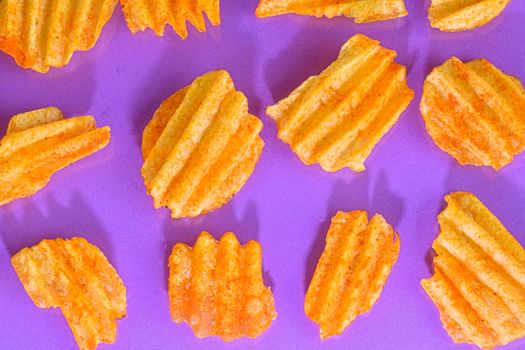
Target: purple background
[(285, 204)]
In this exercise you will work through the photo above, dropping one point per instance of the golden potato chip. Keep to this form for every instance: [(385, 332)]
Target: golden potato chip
[(40, 34), (337, 117), (361, 11), (142, 14), (352, 271), (200, 147), (76, 277), (218, 289), (38, 144), (475, 112), (478, 284), (458, 15)]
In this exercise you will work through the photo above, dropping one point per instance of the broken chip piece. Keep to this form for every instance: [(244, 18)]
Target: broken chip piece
[(200, 147), (475, 112), (41, 142), (142, 14), (361, 11), (336, 118), (218, 289), (459, 15), (478, 284), (352, 271), (76, 277), (41, 34)]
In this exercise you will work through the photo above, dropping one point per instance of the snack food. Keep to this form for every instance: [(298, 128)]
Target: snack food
[(361, 11), (475, 112), (41, 142), (76, 277), (352, 271), (142, 14), (40, 34), (337, 117), (478, 284), (200, 147), (458, 15), (218, 288)]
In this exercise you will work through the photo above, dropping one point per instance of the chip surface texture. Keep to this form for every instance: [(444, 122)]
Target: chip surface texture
[(75, 276), (478, 284)]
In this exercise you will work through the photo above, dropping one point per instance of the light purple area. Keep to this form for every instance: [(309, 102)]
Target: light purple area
[(285, 204)]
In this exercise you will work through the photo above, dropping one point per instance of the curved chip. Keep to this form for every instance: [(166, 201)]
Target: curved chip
[(200, 147), (352, 271), (76, 277), (40, 34), (41, 142), (336, 118), (218, 288), (475, 112), (142, 14), (478, 284), (361, 11), (459, 15)]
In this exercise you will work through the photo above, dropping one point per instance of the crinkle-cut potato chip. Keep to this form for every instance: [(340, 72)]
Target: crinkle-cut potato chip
[(38, 144), (75, 276), (478, 284), (218, 289), (201, 146), (353, 269), (40, 34), (459, 15), (361, 11), (336, 118), (475, 112), (142, 14)]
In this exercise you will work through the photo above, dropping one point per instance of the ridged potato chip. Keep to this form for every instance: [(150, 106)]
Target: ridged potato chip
[(200, 147), (218, 289), (478, 284), (142, 14), (40, 34), (336, 118), (38, 144), (459, 15), (352, 271), (361, 11), (475, 112), (76, 277)]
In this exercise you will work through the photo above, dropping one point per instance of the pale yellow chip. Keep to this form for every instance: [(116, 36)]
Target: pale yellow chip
[(201, 146), (478, 284), (217, 287), (40, 34), (361, 11), (352, 271), (336, 118), (76, 277), (38, 144), (458, 15), (475, 112), (142, 14)]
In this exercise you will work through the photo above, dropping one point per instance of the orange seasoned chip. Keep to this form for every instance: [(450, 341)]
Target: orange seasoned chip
[(38, 144), (361, 11), (458, 15), (142, 14), (352, 271), (218, 289), (478, 284), (475, 112), (200, 147), (40, 34), (76, 277), (336, 118)]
